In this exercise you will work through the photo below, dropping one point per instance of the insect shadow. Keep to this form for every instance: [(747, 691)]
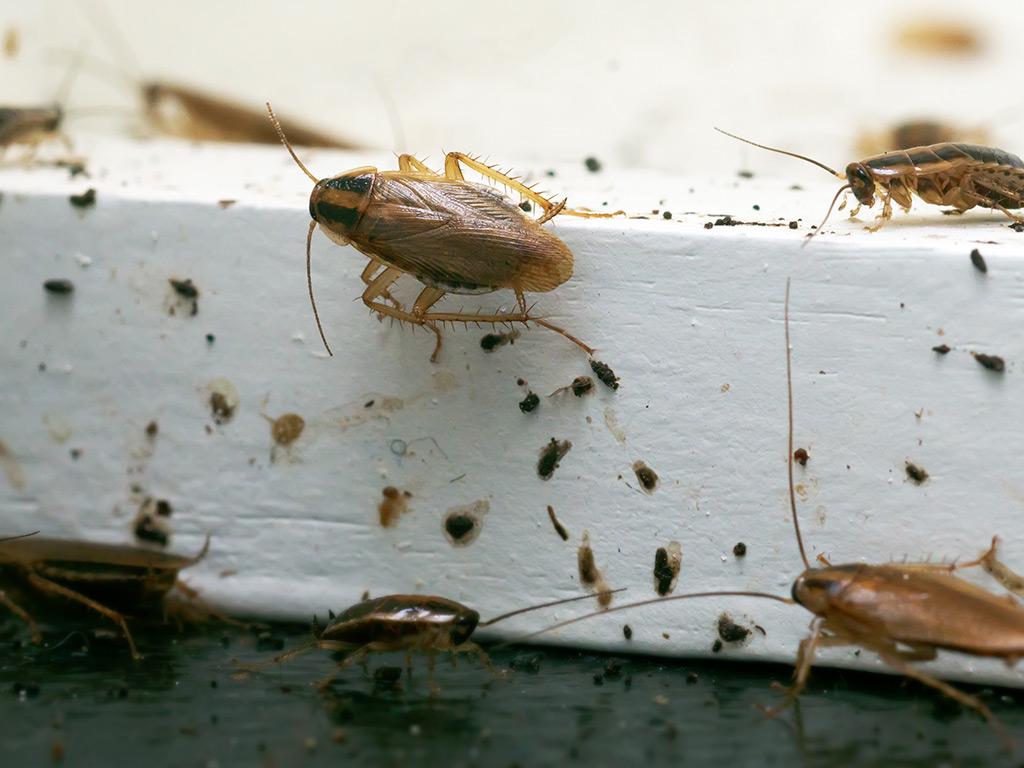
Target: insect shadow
[(902, 612), (961, 176), (453, 236)]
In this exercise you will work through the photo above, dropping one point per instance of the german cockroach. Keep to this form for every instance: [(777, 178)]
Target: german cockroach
[(958, 175), (902, 612), (408, 623), (109, 579), (32, 126), (917, 133), (451, 235)]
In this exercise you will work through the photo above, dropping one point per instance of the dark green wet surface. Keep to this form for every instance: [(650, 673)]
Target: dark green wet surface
[(185, 706)]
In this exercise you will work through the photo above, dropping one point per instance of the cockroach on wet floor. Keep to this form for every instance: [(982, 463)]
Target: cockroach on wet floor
[(902, 612), (407, 623), (109, 579), (961, 176), (451, 235)]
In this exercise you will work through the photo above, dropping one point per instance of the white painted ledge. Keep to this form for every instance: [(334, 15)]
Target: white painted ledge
[(690, 319)]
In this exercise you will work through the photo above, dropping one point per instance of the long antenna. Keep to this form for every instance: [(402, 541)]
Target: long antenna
[(652, 601), (287, 144), (812, 234), (309, 282), (22, 536), (518, 611), (781, 152), (789, 452)]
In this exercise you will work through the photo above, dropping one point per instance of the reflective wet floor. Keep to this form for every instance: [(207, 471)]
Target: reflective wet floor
[(81, 701)]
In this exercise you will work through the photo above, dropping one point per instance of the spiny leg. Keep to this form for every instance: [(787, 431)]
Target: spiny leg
[(367, 276), (22, 614), (454, 172), (410, 164), (885, 215), (429, 297), (45, 585), (970, 194), (804, 660)]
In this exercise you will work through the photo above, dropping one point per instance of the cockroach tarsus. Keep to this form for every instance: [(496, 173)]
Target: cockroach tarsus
[(902, 612), (451, 235), (961, 176)]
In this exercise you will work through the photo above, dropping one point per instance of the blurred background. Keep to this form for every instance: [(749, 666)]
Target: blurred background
[(637, 85)]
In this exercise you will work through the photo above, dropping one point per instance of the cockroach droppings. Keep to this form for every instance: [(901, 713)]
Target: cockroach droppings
[(59, 286), (666, 215), (393, 505), (286, 429), (187, 291), (646, 476), (990, 362), (627, 631), (559, 528), (800, 456), (85, 200), (152, 430), (492, 341), (740, 550), (462, 524), (667, 561), (592, 164), (942, 349), (223, 401), (529, 403), (581, 385), (149, 524), (590, 576), (731, 632), (550, 455), (978, 261), (916, 473), (604, 374)]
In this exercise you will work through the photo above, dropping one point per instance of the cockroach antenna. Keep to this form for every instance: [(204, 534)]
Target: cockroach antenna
[(789, 432), (287, 144), (810, 235), (537, 607), (781, 152), (15, 538)]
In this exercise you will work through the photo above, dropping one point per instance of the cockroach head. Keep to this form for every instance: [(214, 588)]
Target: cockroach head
[(337, 203), (861, 183), (464, 625), (816, 588)]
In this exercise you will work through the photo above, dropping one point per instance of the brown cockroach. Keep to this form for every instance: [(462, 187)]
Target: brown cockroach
[(106, 578), (32, 126), (902, 612), (910, 134), (408, 623), (958, 175), (451, 235)]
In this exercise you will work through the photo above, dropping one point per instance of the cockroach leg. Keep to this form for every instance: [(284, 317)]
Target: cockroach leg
[(22, 614), (368, 275), (45, 585), (804, 661), (885, 215), (470, 647), (409, 164)]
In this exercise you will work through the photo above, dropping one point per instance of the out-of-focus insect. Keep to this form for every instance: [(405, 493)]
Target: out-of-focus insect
[(958, 175), (109, 579), (408, 623), (451, 235), (32, 126), (902, 612), (918, 133)]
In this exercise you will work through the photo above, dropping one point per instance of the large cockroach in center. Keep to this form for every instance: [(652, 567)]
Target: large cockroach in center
[(957, 175), (110, 579), (452, 235), (425, 623), (902, 612)]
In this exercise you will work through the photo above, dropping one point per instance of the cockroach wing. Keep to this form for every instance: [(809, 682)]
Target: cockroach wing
[(460, 237), (932, 607)]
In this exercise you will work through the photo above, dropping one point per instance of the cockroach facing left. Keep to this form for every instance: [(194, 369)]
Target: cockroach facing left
[(451, 235)]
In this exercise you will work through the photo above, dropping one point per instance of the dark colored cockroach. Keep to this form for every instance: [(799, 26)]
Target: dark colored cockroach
[(917, 133), (106, 578), (901, 611), (958, 175), (408, 623), (451, 235)]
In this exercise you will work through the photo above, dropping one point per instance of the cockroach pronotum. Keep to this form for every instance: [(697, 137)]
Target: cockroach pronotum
[(961, 176), (109, 579), (451, 235), (407, 623), (900, 611)]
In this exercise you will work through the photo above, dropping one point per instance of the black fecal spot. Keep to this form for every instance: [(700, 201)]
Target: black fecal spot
[(152, 430), (592, 164), (59, 286), (740, 550), (462, 525), (550, 455), (163, 508), (604, 374), (916, 473), (627, 631), (529, 403), (210, 338), (990, 362), (942, 349), (793, 225), (492, 341), (458, 526), (646, 476), (581, 385), (147, 529), (184, 288), (978, 261), (559, 528), (663, 573), (85, 200), (745, 174), (666, 215), (716, 647), (730, 631)]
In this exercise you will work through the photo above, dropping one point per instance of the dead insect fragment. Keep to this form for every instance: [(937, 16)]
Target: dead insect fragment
[(916, 473), (978, 261), (85, 200), (529, 403), (559, 528), (990, 362), (550, 455), (646, 476), (59, 286), (604, 374)]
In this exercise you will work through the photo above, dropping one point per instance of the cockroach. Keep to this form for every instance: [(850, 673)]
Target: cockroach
[(918, 133), (949, 173), (406, 623), (451, 235), (33, 126), (109, 579), (902, 612)]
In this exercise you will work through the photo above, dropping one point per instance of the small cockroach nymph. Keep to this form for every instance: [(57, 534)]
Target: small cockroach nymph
[(31, 127), (407, 623), (110, 579), (961, 176), (902, 612), (451, 235)]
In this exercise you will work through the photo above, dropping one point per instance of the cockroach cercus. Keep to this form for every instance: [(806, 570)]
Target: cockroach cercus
[(408, 623), (961, 176), (451, 235), (109, 579), (902, 612)]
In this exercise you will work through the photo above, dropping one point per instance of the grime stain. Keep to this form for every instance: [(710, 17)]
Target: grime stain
[(646, 476), (85, 200), (462, 524), (492, 341), (604, 374), (58, 427), (224, 400), (529, 403), (731, 632), (12, 468), (152, 430), (916, 473), (942, 349), (800, 456), (59, 286), (150, 524), (612, 422), (990, 362), (394, 503), (550, 456), (590, 574), (559, 528), (372, 407), (186, 296), (978, 261), (667, 562)]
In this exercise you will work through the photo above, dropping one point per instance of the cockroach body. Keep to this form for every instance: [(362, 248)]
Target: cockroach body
[(917, 133), (106, 578), (451, 235), (30, 125), (902, 612), (961, 176)]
